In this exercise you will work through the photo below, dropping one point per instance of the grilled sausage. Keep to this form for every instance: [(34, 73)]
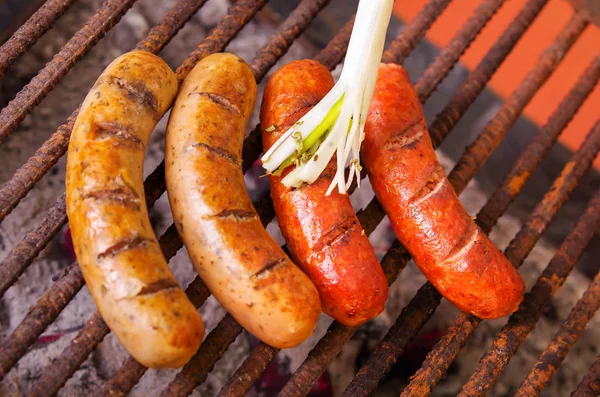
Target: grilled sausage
[(323, 233), (241, 264), (119, 254), (453, 253)]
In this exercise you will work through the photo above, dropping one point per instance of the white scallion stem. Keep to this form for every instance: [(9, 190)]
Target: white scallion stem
[(356, 85)]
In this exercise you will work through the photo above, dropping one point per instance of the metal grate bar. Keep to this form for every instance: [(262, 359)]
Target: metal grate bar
[(523, 321), (84, 39), (563, 341), (496, 129), (590, 384), (477, 79), (49, 306), (52, 378), (393, 344), (28, 34), (25, 251), (439, 360), (539, 147), (413, 33), (444, 62), (160, 35)]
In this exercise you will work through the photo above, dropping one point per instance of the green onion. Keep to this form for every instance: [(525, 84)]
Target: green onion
[(336, 123)]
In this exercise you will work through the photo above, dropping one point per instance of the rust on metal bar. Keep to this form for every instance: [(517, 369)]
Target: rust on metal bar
[(44, 312), (84, 39), (29, 33), (248, 373), (197, 369), (499, 126), (286, 33), (523, 321), (563, 341), (590, 384), (412, 34), (447, 349), (538, 148), (574, 170), (160, 35), (238, 15), (79, 349), (477, 79), (442, 64), (335, 50), (23, 254)]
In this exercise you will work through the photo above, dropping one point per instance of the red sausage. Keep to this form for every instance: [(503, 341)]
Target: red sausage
[(322, 232), (429, 220)]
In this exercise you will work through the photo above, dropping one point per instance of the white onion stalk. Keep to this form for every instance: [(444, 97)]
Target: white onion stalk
[(340, 116)]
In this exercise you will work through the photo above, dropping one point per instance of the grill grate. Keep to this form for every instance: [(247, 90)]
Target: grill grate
[(420, 309)]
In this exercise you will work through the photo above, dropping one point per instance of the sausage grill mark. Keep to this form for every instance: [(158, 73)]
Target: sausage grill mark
[(157, 286), (106, 130), (136, 91), (406, 138), (336, 234), (219, 100), (434, 184), (127, 197), (266, 269), (463, 245), (219, 152), (238, 214), (124, 245)]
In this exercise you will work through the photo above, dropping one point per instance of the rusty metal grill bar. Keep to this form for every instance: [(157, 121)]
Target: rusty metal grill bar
[(54, 300), (561, 344), (439, 360), (424, 303), (28, 34), (590, 384), (523, 321), (32, 94)]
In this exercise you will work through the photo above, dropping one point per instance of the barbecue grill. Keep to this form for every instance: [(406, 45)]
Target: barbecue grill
[(421, 308)]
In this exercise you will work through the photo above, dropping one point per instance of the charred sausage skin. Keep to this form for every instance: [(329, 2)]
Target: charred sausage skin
[(119, 255), (426, 214), (242, 265), (323, 233)]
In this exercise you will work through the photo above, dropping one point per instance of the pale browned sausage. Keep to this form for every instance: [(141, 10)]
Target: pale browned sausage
[(117, 250), (235, 256)]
